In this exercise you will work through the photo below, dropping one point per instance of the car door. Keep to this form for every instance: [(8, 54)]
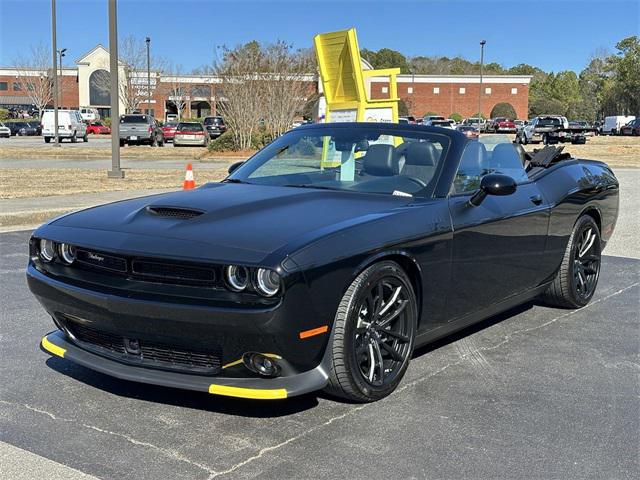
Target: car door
[(498, 245)]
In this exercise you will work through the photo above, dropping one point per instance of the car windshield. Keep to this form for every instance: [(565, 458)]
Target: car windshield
[(189, 127), (213, 121), (381, 160)]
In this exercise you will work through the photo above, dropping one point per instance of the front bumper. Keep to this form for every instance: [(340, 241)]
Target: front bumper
[(55, 343)]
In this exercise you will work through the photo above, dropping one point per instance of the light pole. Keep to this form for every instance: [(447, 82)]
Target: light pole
[(61, 54), (148, 41), (55, 72), (482, 44), (116, 171)]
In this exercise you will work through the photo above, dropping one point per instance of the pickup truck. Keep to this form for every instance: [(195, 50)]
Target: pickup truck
[(137, 129), (551, 129)]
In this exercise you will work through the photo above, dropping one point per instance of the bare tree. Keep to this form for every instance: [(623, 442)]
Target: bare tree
[(178, 91), (285, 89), (35, 76)]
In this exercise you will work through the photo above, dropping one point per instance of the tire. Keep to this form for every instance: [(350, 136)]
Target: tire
[(74, 138), (154, 141), (122, 143), (85, 139), (577, 278), (47, 139), (355, 341)]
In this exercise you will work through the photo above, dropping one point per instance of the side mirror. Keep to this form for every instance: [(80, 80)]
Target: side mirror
[(234, 167), (493, 184)]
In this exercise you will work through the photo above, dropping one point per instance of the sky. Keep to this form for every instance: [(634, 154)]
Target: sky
[(553, 35)]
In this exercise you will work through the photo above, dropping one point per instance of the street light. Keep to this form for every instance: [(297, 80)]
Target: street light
[(61, 54), (482, 44), (148, 41), (55, 72)]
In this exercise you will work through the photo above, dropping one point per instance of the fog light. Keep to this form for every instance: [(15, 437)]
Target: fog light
[(47, 250), (68, 253), (261, 364)]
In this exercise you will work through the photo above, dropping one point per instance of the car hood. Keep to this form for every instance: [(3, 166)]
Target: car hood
[(236, 222)]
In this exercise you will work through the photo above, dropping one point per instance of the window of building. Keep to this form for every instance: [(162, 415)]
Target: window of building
[(4, 86), (149, 111), (99, 88), (514, 91), (17, 87), (462, 90), (436, 90), (201, 91), (409, 89), (31, 87), (385, 89), (487, 91)]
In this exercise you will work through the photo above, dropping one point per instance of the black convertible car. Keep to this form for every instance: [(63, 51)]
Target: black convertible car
[(321, 262)]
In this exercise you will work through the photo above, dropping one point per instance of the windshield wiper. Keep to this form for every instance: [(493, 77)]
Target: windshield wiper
[(234, 180), (310, 185)]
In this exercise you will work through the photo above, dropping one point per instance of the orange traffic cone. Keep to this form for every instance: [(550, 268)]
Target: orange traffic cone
[(189, 182)]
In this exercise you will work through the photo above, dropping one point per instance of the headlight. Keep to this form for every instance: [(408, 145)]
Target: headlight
[(47, 250), (267, 282), (68, 253), (237, 277)]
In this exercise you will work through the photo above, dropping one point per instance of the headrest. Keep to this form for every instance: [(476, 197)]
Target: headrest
[(505, 155), (421, 153), (474, 157), (380, 160)]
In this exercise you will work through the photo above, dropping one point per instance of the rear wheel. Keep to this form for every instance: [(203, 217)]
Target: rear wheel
[(85, 139), (122, 143), (47, 139), (577, 278), (373, 334), (74, 138)]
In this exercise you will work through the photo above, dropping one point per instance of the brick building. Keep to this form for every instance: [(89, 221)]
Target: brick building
[(81, 86), (448, 94)]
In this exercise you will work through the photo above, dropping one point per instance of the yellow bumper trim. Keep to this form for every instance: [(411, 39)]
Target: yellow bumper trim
[(248, 392), (51, 348)]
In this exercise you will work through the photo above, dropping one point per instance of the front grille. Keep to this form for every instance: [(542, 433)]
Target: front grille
[(173, 212), (173, 273), (149, 354)]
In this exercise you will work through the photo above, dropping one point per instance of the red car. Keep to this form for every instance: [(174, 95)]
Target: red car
[(501, 124), (631, 128), (169, 130), (469, 131), (98, 128)]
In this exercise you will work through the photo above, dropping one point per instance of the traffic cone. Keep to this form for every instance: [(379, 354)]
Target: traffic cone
[(189, 182)]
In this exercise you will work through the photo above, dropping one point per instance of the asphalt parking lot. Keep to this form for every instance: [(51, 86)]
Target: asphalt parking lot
[(535, 392)]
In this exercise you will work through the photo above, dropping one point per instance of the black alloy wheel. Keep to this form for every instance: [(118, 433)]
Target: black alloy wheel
[(577, 278), (373, 334)]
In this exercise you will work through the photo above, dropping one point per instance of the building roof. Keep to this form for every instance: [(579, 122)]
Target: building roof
[(408, 78)]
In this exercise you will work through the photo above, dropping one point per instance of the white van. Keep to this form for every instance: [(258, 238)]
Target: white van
[(613, 124), (89, 114), (70, 125)]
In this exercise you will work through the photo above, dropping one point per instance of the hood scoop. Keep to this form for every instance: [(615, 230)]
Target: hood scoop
[(178, 213)]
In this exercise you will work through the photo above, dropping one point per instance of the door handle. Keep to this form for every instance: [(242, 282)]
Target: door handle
[(536, 199)]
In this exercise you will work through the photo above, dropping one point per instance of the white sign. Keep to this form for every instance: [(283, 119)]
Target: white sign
[(343, 115), (380, 115)]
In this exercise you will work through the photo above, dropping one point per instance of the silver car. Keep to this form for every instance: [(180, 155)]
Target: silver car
[(191, 134)]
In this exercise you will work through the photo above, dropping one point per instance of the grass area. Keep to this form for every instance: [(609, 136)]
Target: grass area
[(46, 182)]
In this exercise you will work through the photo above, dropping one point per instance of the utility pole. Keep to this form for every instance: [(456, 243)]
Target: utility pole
[(116, 171), (148, 41), (55, 72), (482, 44)]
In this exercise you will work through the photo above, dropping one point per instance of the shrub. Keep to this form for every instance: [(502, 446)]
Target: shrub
[(224, 143), (503, 109), (4, 114), (456, 117), (430, 114)]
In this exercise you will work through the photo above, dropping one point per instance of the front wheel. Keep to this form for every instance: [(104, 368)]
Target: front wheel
[(577, 278), (85, 139), (373, 334)]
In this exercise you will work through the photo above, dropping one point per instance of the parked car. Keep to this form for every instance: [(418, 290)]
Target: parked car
[(138, 129), (288, 277), (469, 131), (551, 129), (37, 126), (22, 129), (429, 118), (614, 123), (408, 119), (631, 128), (172, 118), (191, 134), (70, 126), (169, 131), (98, 128), (4, 131), (481, 125), (520, 124), (583, 124), (89, 114), (439, 123), (501, 125), (215, 126)]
